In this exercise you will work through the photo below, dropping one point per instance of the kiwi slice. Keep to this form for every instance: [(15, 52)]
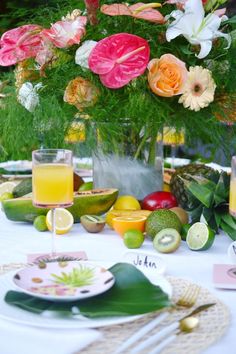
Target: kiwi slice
[(167, 240)]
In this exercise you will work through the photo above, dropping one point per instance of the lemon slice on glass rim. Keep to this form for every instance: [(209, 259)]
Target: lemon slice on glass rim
[(63, 221)]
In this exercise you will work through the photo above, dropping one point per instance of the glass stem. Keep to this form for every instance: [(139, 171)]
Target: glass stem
[(53, 248), (173, 155)]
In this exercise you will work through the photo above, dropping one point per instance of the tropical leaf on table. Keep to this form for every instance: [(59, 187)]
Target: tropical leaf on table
[(132, 294)]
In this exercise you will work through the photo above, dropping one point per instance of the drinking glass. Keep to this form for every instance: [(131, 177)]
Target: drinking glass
[(232, 194), (52, 173)]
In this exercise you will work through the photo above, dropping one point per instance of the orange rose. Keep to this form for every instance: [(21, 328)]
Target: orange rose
[(167, 75), (81, 93)]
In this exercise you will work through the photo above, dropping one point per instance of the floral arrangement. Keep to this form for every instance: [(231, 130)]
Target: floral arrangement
[(151, 64)]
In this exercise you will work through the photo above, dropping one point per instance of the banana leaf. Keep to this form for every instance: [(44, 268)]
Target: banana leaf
[(203, 194), (132, 294)]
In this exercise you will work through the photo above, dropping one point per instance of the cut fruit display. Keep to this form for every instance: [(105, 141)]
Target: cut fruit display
[(200, 237), (63, 220)]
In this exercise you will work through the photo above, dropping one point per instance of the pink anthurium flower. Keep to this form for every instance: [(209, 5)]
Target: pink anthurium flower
[(119, 58), (19, 43), (139, 10), (63, 34)]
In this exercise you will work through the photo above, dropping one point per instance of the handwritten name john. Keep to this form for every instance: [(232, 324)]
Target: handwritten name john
[(145, 262)]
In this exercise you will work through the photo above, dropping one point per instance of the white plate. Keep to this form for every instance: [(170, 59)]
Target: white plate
[(47, 282), (51, 320)]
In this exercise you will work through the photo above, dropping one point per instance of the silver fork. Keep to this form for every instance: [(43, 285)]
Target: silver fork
[(187, 299)]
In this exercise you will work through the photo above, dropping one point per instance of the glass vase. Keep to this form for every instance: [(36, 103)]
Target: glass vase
[(128, 157)]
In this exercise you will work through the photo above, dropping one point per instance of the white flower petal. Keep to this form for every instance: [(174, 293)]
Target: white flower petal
[(195, 8), (175, 14), (212, 22), (173, 32), (205, 49), (83, 52), (226, 36), (28, 95)]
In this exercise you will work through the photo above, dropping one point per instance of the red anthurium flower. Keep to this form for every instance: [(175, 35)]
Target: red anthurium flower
[(119, 58), (139, 10), (63, 34), (20, 43)]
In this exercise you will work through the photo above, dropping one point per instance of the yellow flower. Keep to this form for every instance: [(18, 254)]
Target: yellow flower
[(199, 89)]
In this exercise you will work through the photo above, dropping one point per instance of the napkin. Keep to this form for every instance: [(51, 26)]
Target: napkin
[(20, 339)]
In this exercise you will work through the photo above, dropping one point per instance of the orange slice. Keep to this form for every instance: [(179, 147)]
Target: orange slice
[(126, 213), (122, 224)]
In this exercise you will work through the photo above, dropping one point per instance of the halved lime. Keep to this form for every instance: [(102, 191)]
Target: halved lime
[(200, 237)]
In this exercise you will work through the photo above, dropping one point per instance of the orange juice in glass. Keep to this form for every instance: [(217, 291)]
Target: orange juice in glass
[(52, 185), (232, 194), (52, 179)]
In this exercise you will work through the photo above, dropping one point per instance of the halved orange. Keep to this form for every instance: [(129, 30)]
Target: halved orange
[(111, 214), (122, 224)]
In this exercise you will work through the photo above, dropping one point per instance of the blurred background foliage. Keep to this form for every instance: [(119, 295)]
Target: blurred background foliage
[(219, 147)]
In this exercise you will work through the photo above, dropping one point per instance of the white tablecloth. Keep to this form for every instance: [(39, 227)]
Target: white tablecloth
[(19, 239)]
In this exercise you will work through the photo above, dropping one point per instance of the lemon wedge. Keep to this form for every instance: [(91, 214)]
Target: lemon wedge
[(63, 221)]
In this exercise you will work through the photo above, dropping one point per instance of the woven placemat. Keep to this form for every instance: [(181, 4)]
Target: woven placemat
[(213, 324)]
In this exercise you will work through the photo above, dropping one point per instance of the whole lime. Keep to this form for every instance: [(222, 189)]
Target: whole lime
[(40, 223), (133, 238)]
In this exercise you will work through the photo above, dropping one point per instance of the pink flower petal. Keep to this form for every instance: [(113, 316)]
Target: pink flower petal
[(19, 44), (148, 14), (63, 34), (119, 59), (116, 10), (220, 12)]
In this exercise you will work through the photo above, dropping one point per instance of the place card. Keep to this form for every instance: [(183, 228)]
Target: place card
[(145, 262), (224, 276), (37, 257)]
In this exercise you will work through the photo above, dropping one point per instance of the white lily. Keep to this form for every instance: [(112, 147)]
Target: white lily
[(195, 27)]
